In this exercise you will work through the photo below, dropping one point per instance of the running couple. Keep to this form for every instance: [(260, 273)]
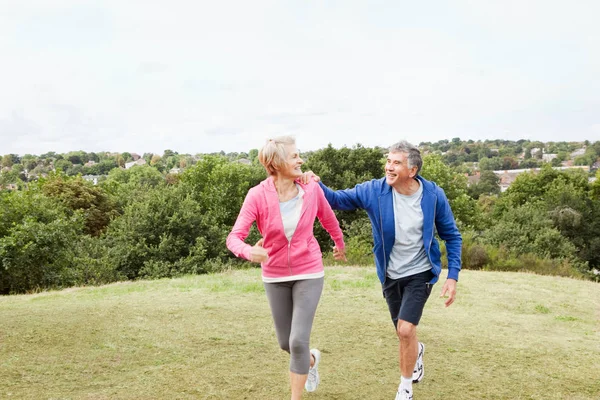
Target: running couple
[(405, 211)]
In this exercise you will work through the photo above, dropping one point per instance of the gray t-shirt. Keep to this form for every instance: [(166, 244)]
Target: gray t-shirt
[(408, 255)]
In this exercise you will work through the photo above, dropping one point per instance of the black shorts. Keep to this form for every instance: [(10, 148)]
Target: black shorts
[(406, 297)]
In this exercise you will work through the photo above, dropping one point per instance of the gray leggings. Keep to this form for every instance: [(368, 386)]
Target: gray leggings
[(293, 306)]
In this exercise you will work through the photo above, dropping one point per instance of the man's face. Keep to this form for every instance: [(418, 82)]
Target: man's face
[(397, 171)]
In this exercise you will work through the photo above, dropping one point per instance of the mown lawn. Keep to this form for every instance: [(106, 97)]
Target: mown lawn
[(508, 336)]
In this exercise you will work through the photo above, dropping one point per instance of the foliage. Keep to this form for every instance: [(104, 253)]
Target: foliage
[(36, 255), (455, 186), (176, 229), (79, 195), (489, 184), (529, 229), (344, 168), (59, 230), (126, 186), (341, 169)]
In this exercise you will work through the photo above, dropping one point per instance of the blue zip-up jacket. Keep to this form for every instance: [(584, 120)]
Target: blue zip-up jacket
[(376, 198)]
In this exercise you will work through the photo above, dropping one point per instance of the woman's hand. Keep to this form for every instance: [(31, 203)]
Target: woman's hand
[(258, 254), (339, 254)]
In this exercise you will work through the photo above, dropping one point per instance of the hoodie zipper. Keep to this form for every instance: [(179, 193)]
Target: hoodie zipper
[(382, 238), (289, 263), (302, 212)]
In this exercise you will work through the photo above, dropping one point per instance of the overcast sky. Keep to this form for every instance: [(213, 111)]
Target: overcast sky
[(204, 76)]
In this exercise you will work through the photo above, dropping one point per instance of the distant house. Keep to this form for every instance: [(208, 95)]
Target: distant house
[(135, 156), (89, 163), (473, 179), (175, 170), (140, 161), (244, 161), (549, 157), (507, 177), (578, 152), (92, 178), (9, 186), (535, 151)]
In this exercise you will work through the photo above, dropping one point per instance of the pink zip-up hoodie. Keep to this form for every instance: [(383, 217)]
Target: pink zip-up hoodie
[(302, 254)]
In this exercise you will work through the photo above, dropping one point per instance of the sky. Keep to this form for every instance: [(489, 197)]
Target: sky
[(207, 76)]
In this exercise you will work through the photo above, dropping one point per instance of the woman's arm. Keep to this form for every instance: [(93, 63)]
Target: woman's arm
[(235, 240)]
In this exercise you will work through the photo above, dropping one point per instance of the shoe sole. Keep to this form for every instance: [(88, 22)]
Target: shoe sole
[(420, 356)]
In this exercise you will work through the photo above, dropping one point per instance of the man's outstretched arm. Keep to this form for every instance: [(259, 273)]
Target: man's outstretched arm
[(347, 199)]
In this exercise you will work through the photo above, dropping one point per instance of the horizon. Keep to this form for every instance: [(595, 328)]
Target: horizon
[(301, 150)]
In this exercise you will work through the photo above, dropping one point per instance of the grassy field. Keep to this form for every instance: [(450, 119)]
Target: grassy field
[(508, 336)]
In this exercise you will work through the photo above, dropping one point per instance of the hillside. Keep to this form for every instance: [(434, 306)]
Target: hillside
[(508, 336)]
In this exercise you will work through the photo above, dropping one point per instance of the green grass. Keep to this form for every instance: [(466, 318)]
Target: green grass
[(508, 336)]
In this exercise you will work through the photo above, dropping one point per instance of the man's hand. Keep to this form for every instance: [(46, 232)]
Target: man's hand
[(258, 254), (307, 176), (449, 290), (339, 254)]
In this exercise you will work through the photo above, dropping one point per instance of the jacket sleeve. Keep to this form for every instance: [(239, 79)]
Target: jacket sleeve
[(448, 231), (235, 240), (347, 199), (328, 219)]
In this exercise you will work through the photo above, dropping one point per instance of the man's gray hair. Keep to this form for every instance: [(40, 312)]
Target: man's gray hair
[(412, 152)]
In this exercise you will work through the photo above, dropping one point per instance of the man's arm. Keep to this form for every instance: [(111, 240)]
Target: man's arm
[(448, 231), (347, 199)]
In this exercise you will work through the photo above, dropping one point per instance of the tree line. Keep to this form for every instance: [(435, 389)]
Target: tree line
[(60, 230)]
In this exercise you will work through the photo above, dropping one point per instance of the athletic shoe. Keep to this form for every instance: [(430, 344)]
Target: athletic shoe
[(419, 371), (403, 394), (313, 373)]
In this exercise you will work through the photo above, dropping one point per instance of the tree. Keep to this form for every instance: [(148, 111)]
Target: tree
[(155, 159), (79, 195), (528, 230), (75, 157), (36, 239), (343, 168), (489, 184), (9, 160), (464, 208), (63, 165), (490, 164)]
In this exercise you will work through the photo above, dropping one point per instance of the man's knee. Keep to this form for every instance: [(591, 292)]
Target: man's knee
[(406, 330)]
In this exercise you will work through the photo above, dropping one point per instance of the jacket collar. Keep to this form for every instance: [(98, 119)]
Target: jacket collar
[(427, 185), (269, 185)]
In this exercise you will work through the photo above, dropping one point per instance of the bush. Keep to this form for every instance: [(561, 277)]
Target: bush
[(502, 260), (37, 255)]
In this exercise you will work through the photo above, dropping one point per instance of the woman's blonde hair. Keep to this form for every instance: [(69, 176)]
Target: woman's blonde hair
[(273, 155)]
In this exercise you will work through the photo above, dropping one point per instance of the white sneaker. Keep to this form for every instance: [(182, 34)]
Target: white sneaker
[(403, 394), (419, 371), (313, 373)]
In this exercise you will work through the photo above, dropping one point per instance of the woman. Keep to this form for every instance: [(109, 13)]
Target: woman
[(291, 260)]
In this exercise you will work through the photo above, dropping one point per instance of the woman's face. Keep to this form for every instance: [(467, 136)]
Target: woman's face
[(292, 164)]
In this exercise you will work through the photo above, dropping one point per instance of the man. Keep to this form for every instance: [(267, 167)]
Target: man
[(405, 211)]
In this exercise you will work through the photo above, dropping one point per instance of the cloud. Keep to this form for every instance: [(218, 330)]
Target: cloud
[(211, 76)]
